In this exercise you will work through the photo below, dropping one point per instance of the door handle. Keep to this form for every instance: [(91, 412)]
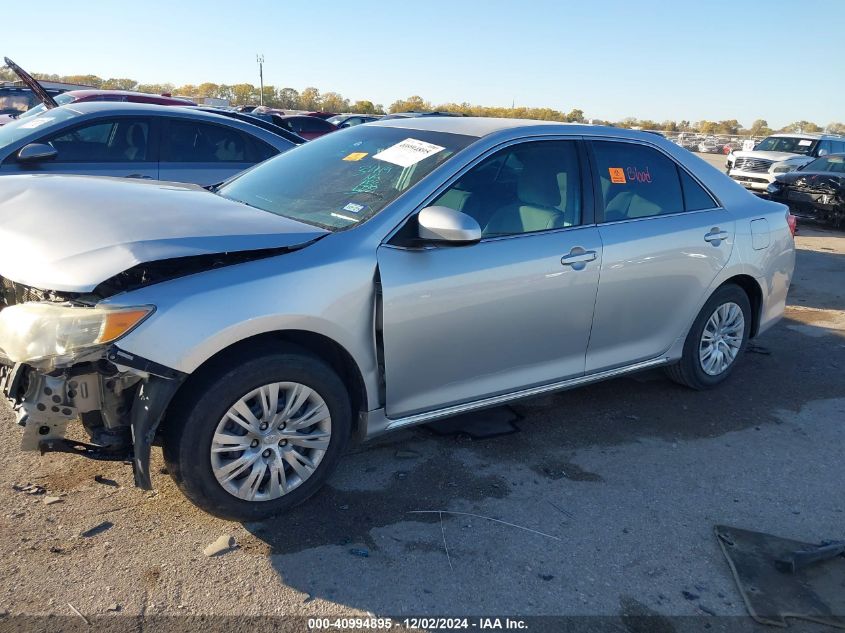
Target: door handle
[(715, 235), (139, 176), (578, 256)]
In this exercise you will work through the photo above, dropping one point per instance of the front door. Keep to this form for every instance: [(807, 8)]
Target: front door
[(461, 323)]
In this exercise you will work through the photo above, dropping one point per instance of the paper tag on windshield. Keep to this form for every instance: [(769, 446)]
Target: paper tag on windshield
[(408, 152), (805, 142), (34, 123)]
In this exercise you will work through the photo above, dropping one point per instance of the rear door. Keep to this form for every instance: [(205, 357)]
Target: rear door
[(207, 153), (123, 147), (665, 238)]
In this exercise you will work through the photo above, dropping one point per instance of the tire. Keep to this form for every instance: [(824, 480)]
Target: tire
[(200, 421), (691, 370)]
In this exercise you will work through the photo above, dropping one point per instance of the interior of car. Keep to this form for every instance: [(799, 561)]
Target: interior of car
[(530, 188)]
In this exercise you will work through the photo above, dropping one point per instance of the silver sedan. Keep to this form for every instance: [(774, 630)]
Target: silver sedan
[(383, 276)]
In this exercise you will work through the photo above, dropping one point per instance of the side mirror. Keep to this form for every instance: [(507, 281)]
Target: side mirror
[(36, 152), (442, 224)]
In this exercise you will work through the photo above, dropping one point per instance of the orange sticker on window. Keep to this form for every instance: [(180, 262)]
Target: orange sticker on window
[(617, 175), (356, 156)]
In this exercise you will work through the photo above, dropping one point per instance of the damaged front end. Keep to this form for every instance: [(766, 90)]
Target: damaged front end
[(59, 364), (819, 196)]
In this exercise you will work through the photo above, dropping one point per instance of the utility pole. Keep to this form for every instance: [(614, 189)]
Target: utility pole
[(260, 59)]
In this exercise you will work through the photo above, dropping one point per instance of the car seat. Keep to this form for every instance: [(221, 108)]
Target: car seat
[(536, 209)]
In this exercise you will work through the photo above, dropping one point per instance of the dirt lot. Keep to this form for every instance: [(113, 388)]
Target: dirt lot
[(608, 495)]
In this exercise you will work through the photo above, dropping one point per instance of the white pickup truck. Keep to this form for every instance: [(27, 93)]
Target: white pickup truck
[(779, 154)]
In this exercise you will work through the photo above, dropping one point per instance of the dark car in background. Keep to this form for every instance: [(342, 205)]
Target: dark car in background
[(15, 100), (308, 127), (348, 120), (135, 140), (254, 120), (320, 114), (816, 189)]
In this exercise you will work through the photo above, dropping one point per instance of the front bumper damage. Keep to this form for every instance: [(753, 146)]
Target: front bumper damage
[(120, 399)]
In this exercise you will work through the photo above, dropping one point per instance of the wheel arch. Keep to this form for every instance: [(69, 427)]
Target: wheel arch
[(754, 292), (318, 345)]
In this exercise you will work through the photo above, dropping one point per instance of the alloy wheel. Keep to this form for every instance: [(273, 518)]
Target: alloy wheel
[(271, 441), (721, 339)]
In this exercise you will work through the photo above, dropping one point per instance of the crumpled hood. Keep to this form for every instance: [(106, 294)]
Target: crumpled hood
[(772, 156), (69, 233)]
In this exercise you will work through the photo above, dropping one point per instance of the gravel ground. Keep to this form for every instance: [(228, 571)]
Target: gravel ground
[(607, 498)]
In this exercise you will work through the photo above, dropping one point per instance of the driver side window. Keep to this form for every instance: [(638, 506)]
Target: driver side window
[(525, 188)]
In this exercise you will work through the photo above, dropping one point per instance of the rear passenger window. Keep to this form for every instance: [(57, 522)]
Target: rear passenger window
[(194, 142), (636, 181), (695, 197)]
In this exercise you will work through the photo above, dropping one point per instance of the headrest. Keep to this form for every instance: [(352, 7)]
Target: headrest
[(538, 187)]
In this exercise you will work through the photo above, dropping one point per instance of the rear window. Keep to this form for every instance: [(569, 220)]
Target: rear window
[(636, 181), (190, 141)]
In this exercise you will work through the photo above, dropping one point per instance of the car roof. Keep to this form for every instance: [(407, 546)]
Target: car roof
[(807, 135), (128, 107), (485, 126)]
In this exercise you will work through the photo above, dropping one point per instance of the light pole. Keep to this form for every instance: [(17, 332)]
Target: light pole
[(260, 59)]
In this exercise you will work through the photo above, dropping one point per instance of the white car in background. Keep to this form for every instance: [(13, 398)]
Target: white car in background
[(779, 154)]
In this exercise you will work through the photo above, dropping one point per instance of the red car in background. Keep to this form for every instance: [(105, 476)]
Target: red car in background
[(321, 115), (76, 96), (308, 127)]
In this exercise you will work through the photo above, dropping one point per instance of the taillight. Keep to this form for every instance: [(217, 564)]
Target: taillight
[(792, 221)]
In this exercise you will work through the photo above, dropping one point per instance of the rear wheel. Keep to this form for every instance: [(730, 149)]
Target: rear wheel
[(717, 338), (260, 438)]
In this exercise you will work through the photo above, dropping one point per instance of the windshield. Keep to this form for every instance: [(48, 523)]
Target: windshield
[(19, 128), (16, 102), (61, 99), (790, 144), (344, 178), (834, 164)]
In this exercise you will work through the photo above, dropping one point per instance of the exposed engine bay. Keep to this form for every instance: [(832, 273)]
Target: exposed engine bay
[(118, 397), (820, 196)]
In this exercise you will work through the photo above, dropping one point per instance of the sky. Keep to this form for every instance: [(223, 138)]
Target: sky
[(780, 60)]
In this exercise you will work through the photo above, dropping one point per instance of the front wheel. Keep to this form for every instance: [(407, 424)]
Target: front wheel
[(260, 438), (717, 338)]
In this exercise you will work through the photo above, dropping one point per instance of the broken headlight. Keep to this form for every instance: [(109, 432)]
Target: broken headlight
[(35, 331)]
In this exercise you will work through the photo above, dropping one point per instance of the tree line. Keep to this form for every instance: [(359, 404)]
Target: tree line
[(311, 99)]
